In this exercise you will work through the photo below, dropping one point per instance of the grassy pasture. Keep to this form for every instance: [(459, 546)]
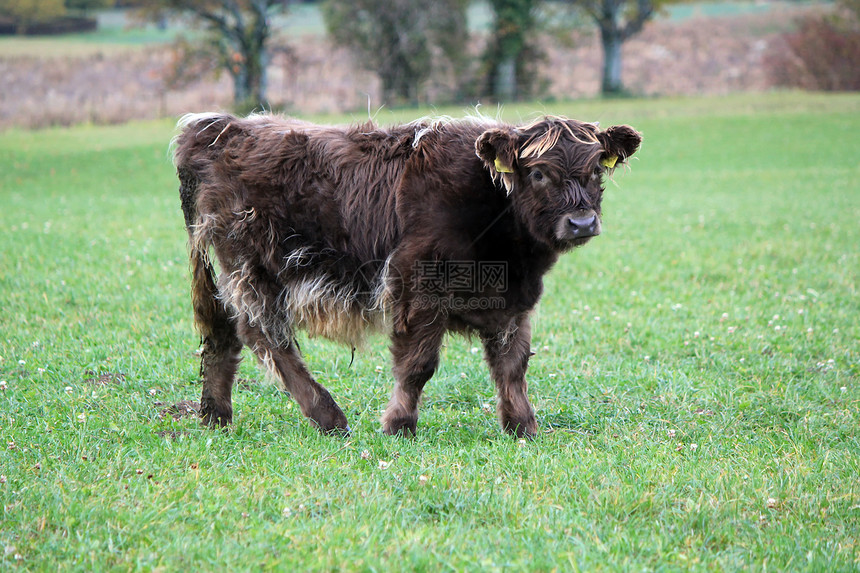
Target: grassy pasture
[(696, 375)]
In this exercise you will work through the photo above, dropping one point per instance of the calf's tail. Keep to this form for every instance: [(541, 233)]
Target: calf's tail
[(204, 291), (195, 148)]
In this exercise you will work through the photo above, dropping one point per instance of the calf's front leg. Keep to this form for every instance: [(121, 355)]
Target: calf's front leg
[(415, 353), (507, 354)]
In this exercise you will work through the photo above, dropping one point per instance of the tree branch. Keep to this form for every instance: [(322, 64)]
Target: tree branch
[(644, 11), (214, 18)]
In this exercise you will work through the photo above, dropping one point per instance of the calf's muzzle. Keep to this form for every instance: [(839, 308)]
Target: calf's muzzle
[(583, 226), (579, 225)]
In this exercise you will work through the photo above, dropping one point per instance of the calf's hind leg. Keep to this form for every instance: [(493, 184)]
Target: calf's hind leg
[(221, 345), (221, 357), (284, 362)]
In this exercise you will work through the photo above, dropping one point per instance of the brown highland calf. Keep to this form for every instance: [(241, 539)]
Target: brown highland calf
[(419, 229)]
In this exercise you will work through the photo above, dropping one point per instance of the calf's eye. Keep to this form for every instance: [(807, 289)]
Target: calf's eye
[(537, 175)]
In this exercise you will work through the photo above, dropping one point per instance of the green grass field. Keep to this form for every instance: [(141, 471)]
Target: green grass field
[(696, 375)]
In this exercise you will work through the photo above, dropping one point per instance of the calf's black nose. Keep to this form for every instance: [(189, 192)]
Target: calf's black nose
[(582, 227)]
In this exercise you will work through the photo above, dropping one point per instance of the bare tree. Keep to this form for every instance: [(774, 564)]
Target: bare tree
[(403, 41), (511, 52), (238, 36), (617, 20), (24, 13)]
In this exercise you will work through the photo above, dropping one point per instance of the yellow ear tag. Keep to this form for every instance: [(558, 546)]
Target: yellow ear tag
[(501, 167), (609, 161)]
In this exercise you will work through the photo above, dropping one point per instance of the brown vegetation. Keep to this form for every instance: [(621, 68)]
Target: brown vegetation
[(822, 54)]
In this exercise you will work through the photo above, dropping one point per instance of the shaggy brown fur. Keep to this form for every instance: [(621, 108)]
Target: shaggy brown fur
[(333, 230)]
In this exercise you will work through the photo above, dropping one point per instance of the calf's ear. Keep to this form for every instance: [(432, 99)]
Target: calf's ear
[(497, 148), (619, 142)]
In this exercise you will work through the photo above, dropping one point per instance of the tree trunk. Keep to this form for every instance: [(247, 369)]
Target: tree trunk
[(612, 41), (240, 85), (389, 89), (400, 83), (505, 79), (510, 76), (257, 80), (249, 81), (249, 71)]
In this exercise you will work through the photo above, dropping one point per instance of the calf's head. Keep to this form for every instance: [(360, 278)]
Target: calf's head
[(553, 171)]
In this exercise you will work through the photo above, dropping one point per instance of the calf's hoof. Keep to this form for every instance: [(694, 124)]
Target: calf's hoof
[(330, 421), (406, 427), (521, 428), (337, 432), (213, 419), (340, 429)]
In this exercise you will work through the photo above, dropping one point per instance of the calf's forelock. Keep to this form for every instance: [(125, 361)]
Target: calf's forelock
[(544, 134), (551, 141)]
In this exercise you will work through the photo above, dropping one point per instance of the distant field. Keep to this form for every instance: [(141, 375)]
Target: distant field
[(120, 29), (121, 73), (696, 375)]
